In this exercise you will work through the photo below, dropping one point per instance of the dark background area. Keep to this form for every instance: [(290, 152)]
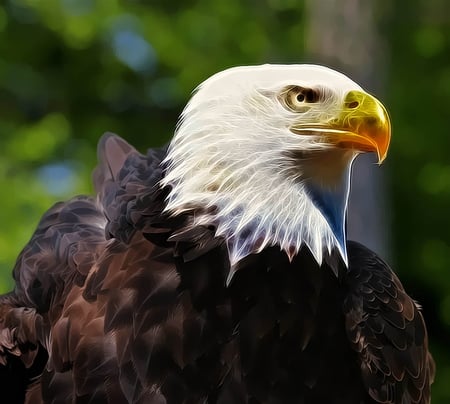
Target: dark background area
[(73, 69)]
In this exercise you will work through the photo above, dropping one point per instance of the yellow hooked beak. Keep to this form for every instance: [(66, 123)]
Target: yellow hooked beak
[(363, 124)]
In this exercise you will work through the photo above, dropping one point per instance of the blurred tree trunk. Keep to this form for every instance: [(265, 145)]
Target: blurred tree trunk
[(343, 34)]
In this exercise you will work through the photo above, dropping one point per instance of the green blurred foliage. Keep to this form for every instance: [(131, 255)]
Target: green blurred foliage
[(418, 96), (72, 69)]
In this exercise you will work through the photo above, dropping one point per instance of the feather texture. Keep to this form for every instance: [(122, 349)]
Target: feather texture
[(118, 302)]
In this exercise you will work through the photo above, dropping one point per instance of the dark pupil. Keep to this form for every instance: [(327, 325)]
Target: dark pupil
[(300, 97)]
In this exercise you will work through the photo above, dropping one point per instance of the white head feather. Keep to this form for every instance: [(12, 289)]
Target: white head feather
[(230, 156)]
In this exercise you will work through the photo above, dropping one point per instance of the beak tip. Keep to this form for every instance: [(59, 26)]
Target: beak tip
[(382, 149), (381, 158), (368, 124)]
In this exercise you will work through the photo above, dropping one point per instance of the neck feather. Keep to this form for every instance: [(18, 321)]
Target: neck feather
[(254, 198)]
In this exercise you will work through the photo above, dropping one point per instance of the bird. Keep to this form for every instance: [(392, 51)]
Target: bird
[(217, 269)]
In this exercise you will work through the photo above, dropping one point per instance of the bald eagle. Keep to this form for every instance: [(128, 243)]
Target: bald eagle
[(217, 270)]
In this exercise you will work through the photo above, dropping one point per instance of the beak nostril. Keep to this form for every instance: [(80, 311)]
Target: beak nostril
[(353, 104)]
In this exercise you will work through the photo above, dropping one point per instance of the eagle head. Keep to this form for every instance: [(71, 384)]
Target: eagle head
[(264, 153)]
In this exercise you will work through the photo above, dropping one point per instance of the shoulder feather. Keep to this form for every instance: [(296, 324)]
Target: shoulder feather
[(387, 330)]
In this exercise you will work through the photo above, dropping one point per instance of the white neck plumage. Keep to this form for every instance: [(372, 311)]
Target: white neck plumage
[(242, 174)]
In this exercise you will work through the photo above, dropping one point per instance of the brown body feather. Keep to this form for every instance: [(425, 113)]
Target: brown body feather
[(140, 313)]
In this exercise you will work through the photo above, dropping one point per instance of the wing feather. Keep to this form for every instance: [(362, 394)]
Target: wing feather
[(67, 242), (387, 331), (58, 306)]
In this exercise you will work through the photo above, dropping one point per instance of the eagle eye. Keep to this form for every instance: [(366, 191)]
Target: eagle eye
[(296, 98), (300, 97)]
